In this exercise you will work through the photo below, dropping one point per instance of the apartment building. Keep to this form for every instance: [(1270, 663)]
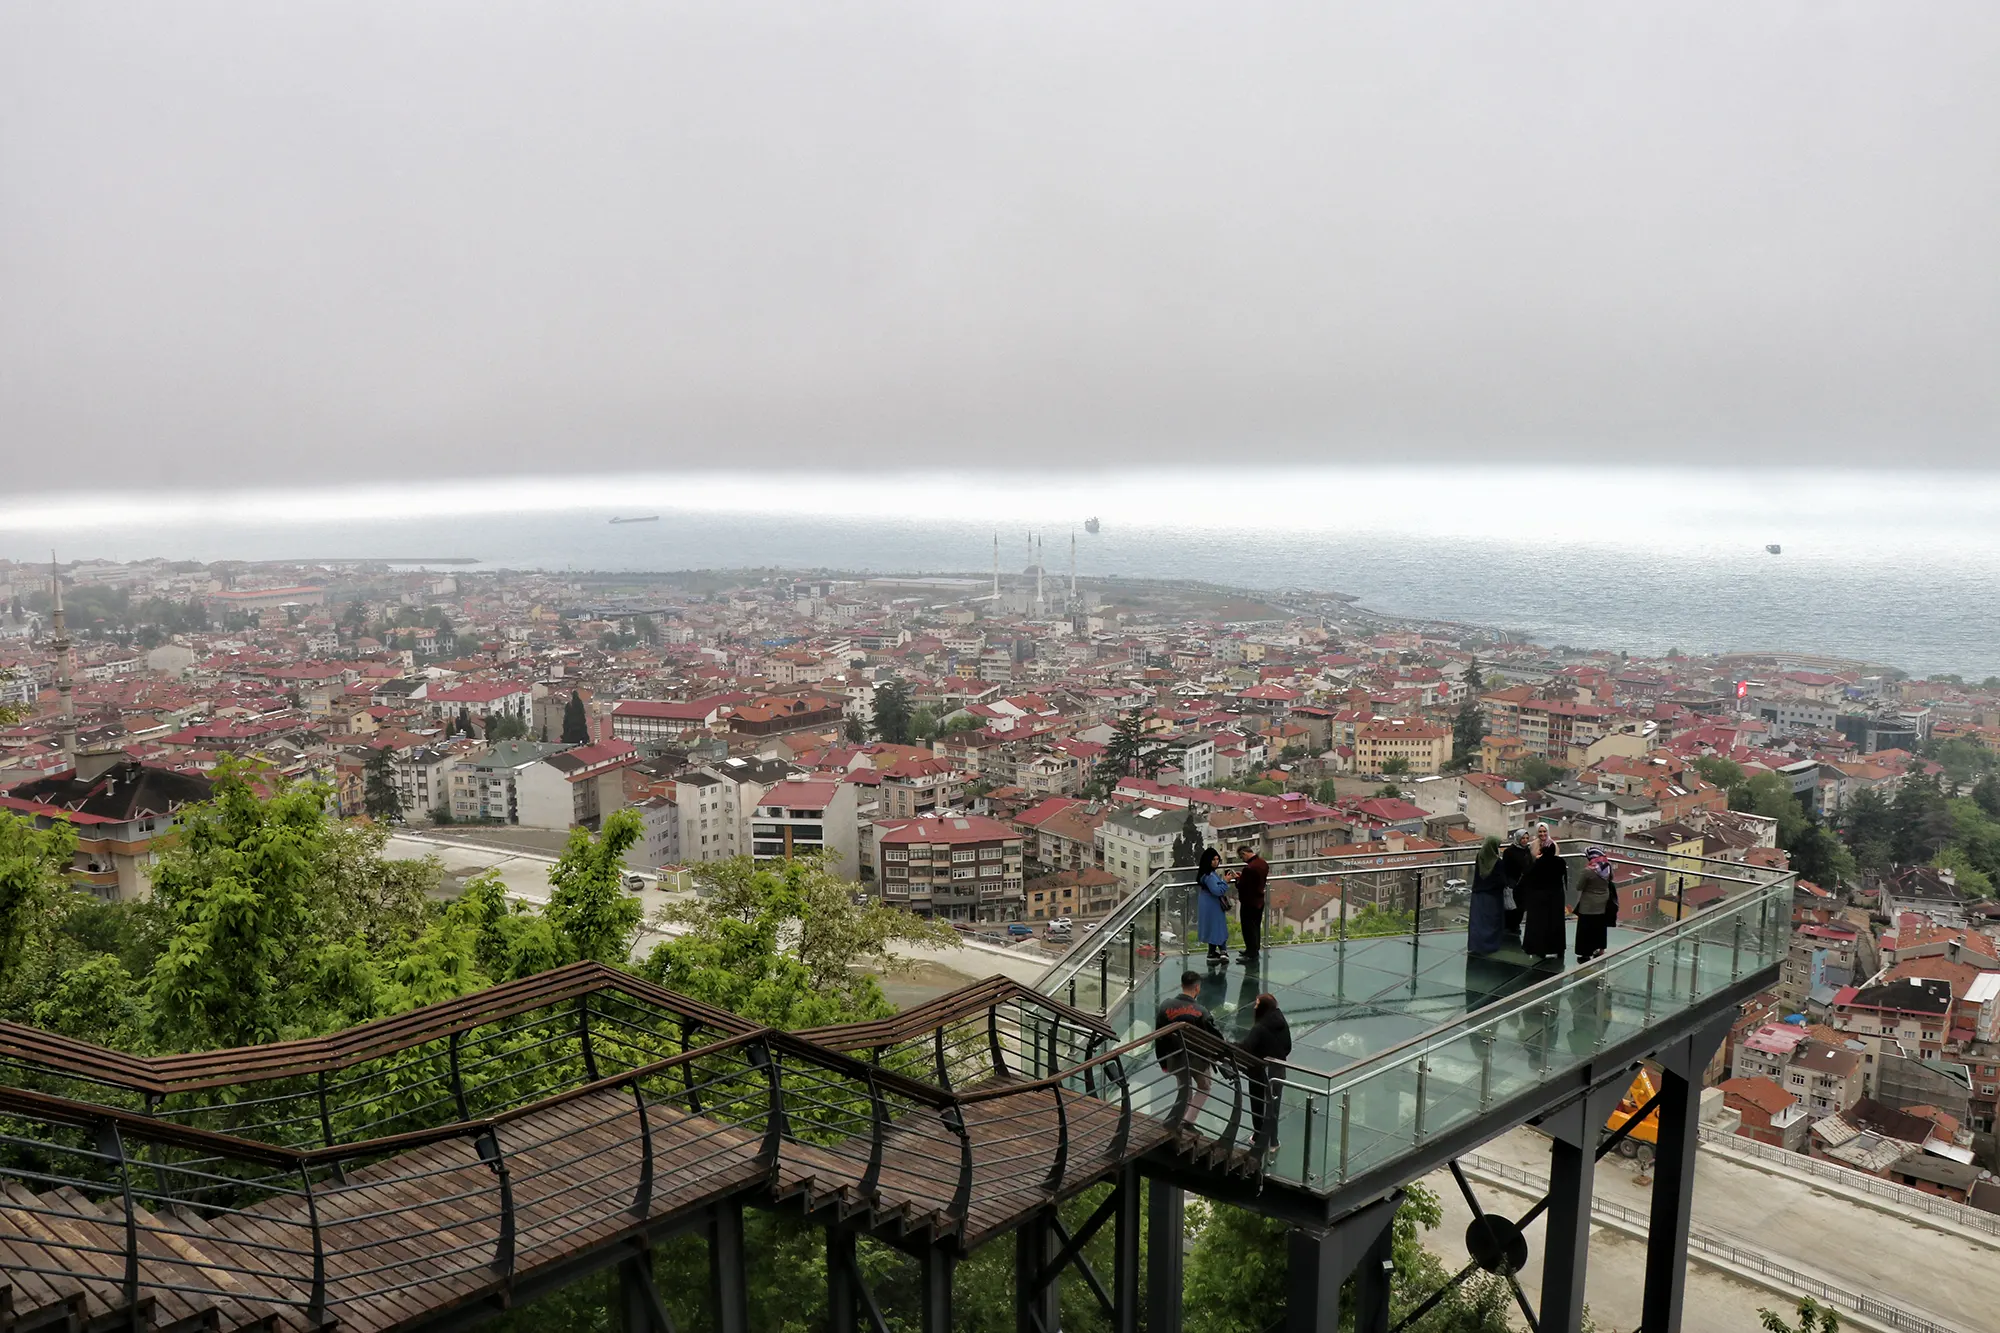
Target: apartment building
[(1136, 843), (915, 787), (715, 803), (485, 786), (123, 812), (807, 816), (956, 868), (1490, 809), (1408, 743), (663, 720), (574, 786), (422, 776), (1061, 833)]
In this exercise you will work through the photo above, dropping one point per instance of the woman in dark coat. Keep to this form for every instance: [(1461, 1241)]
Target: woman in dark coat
[(1514, 863), (1543, 894), (1486, 914), (1270, 1042)]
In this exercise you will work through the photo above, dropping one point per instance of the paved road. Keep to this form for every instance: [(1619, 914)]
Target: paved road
[(1891, 1256)]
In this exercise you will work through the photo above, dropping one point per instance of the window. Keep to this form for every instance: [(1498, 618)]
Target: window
[(989, 853), (961, 856), (896, 854), (962, 872)]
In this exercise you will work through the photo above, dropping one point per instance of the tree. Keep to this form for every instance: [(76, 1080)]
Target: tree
[(591, 913), (1812, 1318), (1986, 792), (1868, 827), (1327, 792), (1475, 680), (645, 630), (961, 722), (1124, 752), (576, 722), (786, 943), (1537, 773), (1468, 729), (1724, 773), (380, 798), (855, 730), (34, 867), (923, 724), (508, 725), (1922, 821), (1389, 790), (465, 722), (1188, 845), (1395, 766), (892, 712)]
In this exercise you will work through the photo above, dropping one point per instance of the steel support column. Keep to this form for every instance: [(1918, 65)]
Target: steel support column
[(1125, 1254), (1574, 1133), (841, 1298), (639, 1305), (1673, 1177), (1035, 1306), (1566, 1235), (1166, 1208), (728, 1288), (1371, 1283), (936, 1266), (1320, 1261), (1673, 1204)]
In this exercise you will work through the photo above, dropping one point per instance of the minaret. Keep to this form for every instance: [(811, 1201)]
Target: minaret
[(996, 573), (1041, 602), (65, 667), (1072, 569)]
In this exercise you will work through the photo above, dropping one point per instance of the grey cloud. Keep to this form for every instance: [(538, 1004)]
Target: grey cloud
[(321, 241)]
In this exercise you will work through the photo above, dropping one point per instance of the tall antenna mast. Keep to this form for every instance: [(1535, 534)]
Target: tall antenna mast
[(65, 666)]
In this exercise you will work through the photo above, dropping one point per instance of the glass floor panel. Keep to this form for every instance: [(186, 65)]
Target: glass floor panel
[(1348, 1002)]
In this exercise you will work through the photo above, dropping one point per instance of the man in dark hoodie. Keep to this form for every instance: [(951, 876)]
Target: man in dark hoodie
[(1269, 1042), (1177, 1054)]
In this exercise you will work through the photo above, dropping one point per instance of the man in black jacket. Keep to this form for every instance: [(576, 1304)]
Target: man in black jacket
[(1250, 883), (1177, 1055), (1269, 1042)]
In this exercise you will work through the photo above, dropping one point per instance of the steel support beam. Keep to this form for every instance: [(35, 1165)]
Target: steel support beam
[(841, 1298), (1166, 1210), (1320, 1261), (1125, 1254), (639, 1303), (1371, 1283), (728, 1289), (934, 1279), (1035, 1301), (1673, 1178), (1566, 1235)]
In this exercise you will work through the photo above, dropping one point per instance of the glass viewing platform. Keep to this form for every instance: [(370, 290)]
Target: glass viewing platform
[(1401, 1037)]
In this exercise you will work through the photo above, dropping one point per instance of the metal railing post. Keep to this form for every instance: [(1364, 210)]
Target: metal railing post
[(1306, 1139), (583, 1036), (1061, 1163), (1104, 979), (457, 1077), (642, 1202), (1423, 1080), (1736, 949), (112, 1144), (503, 1250), (316, 1300), (1346, 1110), (1486, 1039), (878, 1120)]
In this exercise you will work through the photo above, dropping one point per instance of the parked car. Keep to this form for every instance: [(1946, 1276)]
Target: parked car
[(1059, 923), (1020, 929), (635, 882)]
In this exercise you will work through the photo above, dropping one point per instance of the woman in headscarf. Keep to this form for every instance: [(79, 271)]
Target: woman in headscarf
[(1596, 905), (1486, 914), (1514, 863), (1543, 895), (1211, 913)]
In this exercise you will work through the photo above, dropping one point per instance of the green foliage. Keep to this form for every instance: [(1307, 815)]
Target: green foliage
[(923, 725), (576, 721), (893, 712), (34, 867), (1724, 773), (1812, 1317), (1868, 827), (1395, 766), (1537, 773), (1129, 751), (1390, 790), (507, 725), (1468, 728), (1188, 845), (592, 914), (93, 1001), (1327, 792), (782, 942), (961, 722), (379, 795), (855, 730), (1968, 876)]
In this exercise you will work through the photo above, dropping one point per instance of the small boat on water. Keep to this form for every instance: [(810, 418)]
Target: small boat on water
[(645, 518), (1090, 524), (1775, 549)]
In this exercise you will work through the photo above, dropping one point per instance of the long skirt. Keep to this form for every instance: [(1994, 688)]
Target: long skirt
[(1593, 933)]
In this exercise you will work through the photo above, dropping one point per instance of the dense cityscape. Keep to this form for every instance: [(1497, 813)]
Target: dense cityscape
[(1016, 754)]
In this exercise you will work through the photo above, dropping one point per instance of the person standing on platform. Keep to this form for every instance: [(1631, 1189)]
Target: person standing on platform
[(1177, 1054), (1596, 905), (1269, 1042), (1514, 863), (1544, 896), (1211, 907), (1250, 884), (1485, 915)]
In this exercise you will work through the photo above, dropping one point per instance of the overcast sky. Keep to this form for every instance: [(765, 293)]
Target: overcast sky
[(255, 242)]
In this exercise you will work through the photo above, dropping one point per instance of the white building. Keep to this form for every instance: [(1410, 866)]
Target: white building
[(1137, 843), (801, 816), (715, 802)]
